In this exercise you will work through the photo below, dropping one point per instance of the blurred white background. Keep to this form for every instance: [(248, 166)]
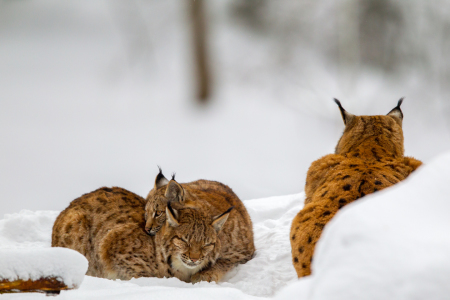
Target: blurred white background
[(98, 93)]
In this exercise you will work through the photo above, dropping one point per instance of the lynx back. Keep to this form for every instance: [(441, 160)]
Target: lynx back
[(368, 158)]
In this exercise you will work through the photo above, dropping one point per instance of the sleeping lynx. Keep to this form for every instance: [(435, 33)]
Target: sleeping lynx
[(210, 198), (107, 226), (369, 157)]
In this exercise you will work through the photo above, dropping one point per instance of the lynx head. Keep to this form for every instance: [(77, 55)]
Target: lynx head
[(163, 192), (190, 237), (383, 131)]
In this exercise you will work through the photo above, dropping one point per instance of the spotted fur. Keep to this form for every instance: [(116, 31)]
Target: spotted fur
[(107, 227), (368, 158), (211, 198)]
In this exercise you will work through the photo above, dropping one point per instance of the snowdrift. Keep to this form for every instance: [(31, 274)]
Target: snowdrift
[(263, 276), (390, 245)]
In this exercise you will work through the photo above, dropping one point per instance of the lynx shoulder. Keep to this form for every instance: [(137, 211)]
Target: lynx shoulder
[(368, 158)]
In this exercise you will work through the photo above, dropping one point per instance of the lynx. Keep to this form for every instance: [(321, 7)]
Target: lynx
[(210, 198), (107, 227), (368, 158)]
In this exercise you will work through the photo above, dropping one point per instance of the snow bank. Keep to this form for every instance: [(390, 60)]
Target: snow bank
[(66, 265), (27, 229), (25, 253), (391, 245), (269, 271)]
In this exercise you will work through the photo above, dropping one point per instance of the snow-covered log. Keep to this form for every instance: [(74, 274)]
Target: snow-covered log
[(47, 270)]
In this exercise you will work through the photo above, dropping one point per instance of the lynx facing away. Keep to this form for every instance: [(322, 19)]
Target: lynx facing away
[(368, 158)]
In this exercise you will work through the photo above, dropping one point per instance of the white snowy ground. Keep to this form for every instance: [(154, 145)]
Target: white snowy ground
[(391, 245)]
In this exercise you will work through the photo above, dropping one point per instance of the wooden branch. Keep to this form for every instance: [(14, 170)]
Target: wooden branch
[(50, 285)]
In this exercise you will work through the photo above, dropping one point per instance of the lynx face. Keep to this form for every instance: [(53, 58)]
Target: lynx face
[(190, 238), (164, 191), (155, 213)]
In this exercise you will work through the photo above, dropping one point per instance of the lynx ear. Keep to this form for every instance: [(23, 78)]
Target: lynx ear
[(160, 180), (171, 215), (219, 220), (346, 116), (397, 113), (174, 191)]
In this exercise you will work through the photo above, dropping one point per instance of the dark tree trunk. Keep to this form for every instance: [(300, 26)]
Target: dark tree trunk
[(200, 51)]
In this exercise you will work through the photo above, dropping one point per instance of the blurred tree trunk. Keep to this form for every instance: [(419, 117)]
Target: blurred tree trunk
[(200, 50)]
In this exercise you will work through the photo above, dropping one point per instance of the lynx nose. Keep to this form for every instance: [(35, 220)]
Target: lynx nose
[(149, 231), (194, 259)]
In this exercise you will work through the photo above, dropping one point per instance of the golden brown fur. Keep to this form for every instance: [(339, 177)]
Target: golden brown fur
[(369, 157), (211, 198), (107, 226)]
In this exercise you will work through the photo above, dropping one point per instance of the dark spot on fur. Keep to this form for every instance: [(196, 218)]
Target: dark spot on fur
[(347, 187), (360, 185), (102, 201), (342, 201), (107, 190), (362, 194), (353, 166), (346, 176), (295, 260), (333, 198), (304, 266), (124, 198), (326, 213), (323, 195), (68, 227), (320, 225), (375, 154), (293, 237), (375, 190), (309, 240), (378, 182), (301, 250)]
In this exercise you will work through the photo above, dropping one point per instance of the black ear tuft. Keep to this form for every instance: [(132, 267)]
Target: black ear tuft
[(396, 111), (173, 175), (338, 103), (160, 180), (346, 116)]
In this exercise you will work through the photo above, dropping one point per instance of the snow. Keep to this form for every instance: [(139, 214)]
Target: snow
[(263, 276), (66, 265), (390, 245), (25, 239)]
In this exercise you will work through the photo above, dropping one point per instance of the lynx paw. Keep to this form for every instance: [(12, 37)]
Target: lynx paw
[(203, 276)]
